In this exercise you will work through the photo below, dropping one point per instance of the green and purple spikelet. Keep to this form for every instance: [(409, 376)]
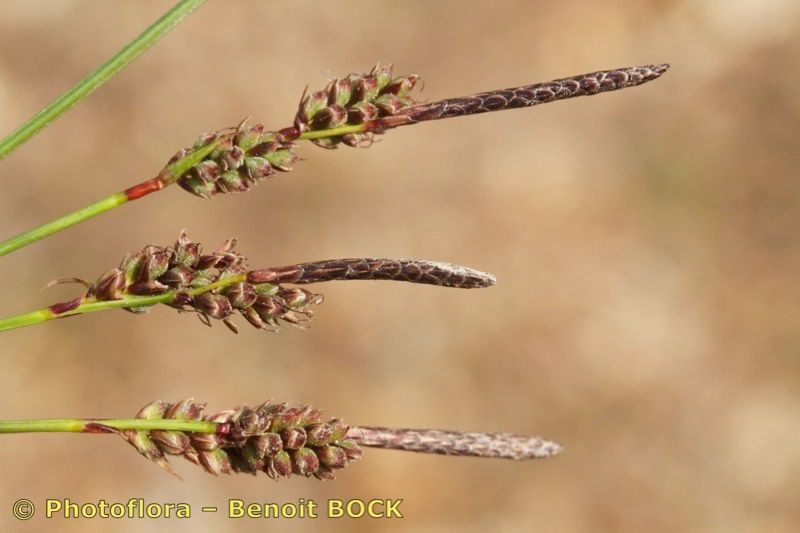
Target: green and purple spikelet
[(243, 157), (183, 267), (352, 100), (274, 438)]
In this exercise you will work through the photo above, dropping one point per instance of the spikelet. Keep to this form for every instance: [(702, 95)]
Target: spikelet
[(275, 438), (244, 156), (184, 266), (352, 100)]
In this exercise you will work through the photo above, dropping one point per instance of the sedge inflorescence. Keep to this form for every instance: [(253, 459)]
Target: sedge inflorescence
[(245, 155), (275, 438), (352, 109)]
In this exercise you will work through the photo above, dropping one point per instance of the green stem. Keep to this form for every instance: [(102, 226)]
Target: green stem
[(27, 319), (90, 305), (94, 80), (77, 425), (333, 132), (167, 177), (61, 223)]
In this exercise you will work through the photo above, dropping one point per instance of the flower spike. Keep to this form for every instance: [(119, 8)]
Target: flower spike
[(219, 285)]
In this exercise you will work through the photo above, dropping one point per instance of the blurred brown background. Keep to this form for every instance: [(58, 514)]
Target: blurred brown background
[(645, 242)]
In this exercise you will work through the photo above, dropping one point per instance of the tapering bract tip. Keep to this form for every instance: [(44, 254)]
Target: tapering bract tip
[(544, 449), (452, 275), (482, 279), (658, 70)]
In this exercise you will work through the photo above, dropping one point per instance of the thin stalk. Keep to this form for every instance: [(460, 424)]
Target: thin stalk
[(167, 177), (97, 78), (334, 132), (80, 306), (77, 425), (54, 226)]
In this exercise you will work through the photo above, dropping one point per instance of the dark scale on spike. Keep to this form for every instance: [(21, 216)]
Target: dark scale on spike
[(94, 427), (63, 307)]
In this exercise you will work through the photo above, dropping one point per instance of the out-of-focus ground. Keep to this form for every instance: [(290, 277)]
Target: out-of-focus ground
[(647, 313)]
